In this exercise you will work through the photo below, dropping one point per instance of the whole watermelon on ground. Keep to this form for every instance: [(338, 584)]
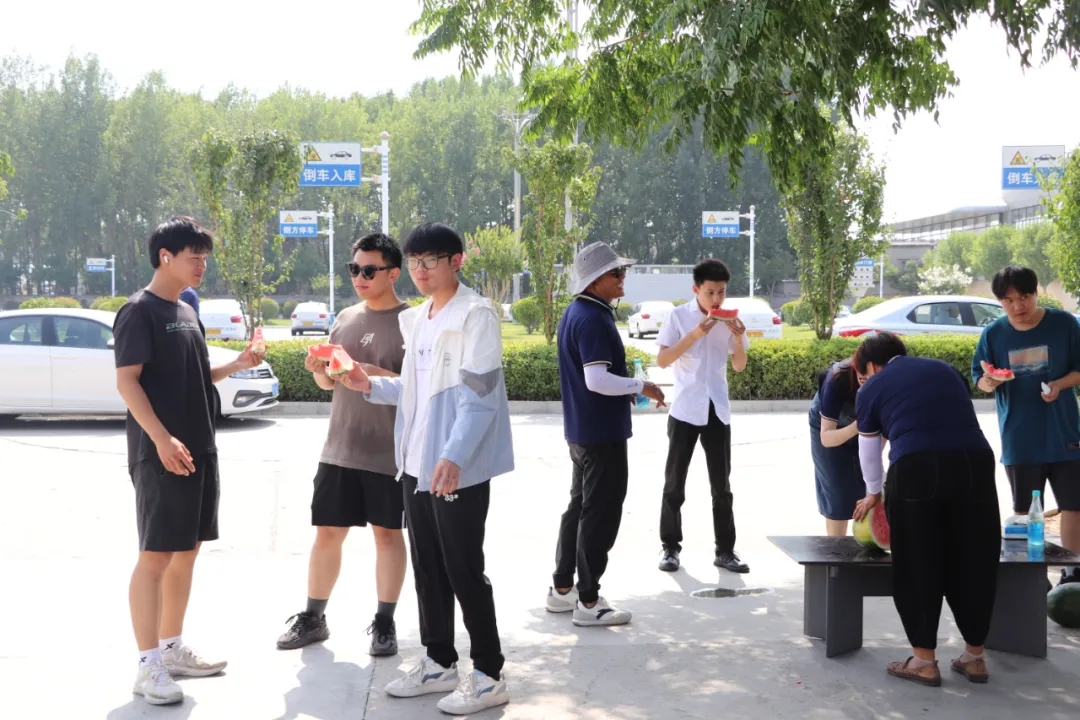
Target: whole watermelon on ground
[(1063, 605), (872, 531)]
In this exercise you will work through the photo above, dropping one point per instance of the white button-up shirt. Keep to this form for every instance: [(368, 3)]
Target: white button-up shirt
[(700, 372)]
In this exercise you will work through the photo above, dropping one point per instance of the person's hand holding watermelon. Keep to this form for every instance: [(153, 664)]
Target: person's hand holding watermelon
[(865, 505)]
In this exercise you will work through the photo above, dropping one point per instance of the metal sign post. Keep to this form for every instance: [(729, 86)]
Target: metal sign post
[(750, 232), (329, 215)]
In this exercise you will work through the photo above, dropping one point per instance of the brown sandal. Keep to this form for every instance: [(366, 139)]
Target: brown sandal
[(902, 671), (974, 670)]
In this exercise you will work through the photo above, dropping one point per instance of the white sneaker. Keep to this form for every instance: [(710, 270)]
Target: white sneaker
[(426, 678), (599, 614), (475, 693), (559, 603), (184, 662), (156, 686)]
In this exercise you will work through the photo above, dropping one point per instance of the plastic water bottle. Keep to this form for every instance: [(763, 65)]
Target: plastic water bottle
[(639, 373), (1035, 538)]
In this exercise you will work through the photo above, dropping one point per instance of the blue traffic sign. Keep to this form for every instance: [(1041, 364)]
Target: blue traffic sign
[(720, 224), (331, 165), (298, 223), (1024, 179), (97, 265), (864, 262)]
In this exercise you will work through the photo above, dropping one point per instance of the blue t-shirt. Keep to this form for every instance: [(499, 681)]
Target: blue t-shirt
[(1032, 430), (188, 295), (587, 335), (919, 404), (836, 395)]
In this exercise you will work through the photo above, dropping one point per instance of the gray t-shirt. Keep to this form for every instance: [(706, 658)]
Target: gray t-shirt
[(361, 435)]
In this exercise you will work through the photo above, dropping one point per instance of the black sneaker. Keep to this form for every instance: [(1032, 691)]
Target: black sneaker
[(731, 562), (383, 634), (305, 629), (670, 561)]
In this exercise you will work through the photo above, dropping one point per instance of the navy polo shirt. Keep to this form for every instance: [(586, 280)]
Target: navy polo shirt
[(919, 404), (587, 336)]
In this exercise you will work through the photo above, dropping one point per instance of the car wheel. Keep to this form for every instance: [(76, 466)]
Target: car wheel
[(631, 332)]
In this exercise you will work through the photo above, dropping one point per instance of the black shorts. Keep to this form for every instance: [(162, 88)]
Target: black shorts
[(1064, 480), (173, 512), (353, 498)]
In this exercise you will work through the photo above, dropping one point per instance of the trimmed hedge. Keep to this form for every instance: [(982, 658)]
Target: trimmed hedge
[(775, 369), (39, 302), (865, 303)]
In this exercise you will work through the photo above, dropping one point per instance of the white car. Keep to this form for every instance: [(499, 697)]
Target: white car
[(223, 319), (648, 317), (761, 321), (60, 361), (923, 314), (310, 317)]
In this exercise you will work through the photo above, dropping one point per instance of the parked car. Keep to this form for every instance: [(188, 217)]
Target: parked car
[(923, 314), (760, 319), (310, 317), (648, 317), (60, 361), (223, 319)]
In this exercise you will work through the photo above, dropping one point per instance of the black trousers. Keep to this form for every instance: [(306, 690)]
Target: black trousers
[(946, 542), (446, 542), (591, 522), (715, 439)]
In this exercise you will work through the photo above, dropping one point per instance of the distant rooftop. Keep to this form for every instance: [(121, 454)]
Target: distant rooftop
[(929, 230)]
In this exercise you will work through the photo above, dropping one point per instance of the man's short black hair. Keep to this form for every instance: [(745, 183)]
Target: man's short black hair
[(711, 269), (378, 242), (878, 349), (433, 239), (177, 234), (1013, 277)]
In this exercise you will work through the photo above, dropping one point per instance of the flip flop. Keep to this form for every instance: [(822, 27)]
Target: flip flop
[(902, 671)]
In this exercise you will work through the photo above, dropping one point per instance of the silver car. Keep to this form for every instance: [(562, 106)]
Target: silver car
[(923, 314)]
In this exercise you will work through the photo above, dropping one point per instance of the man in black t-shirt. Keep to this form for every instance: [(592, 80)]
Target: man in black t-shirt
[(163, 374)]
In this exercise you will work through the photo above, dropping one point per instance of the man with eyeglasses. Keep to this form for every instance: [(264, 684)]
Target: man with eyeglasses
[(596, 396), (355, 483), (452, 436)]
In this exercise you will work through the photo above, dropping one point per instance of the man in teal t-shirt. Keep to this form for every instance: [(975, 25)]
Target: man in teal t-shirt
[(1038, 413)]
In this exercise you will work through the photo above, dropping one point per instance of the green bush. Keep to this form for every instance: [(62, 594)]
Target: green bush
[(67, 302), (795, 313), (287, 308), (36, 303), (110, 304), (414, 301), (679, 302), (270, 309), (1048, 301), (528, 312), (623, 311), (865, 303)]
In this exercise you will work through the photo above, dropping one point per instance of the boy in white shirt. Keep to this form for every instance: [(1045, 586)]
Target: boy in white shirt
[(698, 346)]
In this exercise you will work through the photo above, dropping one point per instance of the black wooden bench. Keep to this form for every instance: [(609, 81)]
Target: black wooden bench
[(839, 573)]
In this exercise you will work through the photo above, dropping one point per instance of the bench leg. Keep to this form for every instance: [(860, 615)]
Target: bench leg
[(843, 612), (1018, 624), (814, 580)]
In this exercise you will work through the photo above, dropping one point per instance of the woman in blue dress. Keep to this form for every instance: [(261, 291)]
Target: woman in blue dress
[(834, 445)]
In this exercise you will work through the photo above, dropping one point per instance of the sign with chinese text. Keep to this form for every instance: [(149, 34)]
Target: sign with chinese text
[(330, 164), (720, 224), (298, 223)]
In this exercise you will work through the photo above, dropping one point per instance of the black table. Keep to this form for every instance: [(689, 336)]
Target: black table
[(839, 573)]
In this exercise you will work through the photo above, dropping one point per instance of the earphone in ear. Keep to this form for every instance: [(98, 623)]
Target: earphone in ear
[(166, 259)]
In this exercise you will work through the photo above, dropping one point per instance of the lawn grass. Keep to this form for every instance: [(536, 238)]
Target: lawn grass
[(277, 322), (802, 332), (514, 333)]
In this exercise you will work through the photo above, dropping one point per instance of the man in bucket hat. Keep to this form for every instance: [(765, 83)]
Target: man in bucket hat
[(596, 396)]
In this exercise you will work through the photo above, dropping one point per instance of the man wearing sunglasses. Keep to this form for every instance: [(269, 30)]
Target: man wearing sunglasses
[(452, 436), (355, 483), (596, 395)]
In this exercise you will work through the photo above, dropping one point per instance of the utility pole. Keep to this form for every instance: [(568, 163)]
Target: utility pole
[(329, 215), (518, 121), (572, 21), (750, 233)]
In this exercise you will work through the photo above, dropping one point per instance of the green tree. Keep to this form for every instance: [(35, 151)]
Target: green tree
[(905, 279), (754, 71), (833, 221), (992, 250), (240, 179), (1030, 247), (493, 257), (6, 170), (551, 170), (1064, 210), (955, 249)]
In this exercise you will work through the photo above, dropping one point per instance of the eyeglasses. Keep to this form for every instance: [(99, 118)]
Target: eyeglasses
[(617, 272), (430, 262), (365, 271)]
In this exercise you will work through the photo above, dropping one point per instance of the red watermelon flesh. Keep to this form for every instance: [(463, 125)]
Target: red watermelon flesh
[(1003, 374), (258, 344), (873, 530), (340, 363), (324, 351), (723, 313)]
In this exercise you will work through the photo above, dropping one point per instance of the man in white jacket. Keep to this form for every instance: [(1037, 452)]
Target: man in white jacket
[(452, 435)]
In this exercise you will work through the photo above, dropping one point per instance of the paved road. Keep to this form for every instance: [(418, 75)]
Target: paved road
[(68, 543)]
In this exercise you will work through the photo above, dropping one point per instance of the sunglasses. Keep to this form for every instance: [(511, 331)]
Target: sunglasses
[(365, 271), (430, 262), (617, 272)]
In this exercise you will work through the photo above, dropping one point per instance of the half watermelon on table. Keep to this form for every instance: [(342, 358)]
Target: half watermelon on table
[(872, 532)]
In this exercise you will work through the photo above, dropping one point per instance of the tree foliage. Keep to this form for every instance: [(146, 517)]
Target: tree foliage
[(752, 71), (6, 170), (833, 221), (1064, 208), (493, 257), (241, 179), (984, 253), (942, 280), (551, 170)]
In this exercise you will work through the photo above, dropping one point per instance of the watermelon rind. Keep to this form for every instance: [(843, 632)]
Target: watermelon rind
[(340, 364), (863, 530), (1063, 605)]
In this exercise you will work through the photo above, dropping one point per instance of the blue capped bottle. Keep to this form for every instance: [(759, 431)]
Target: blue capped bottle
[(639, 373)]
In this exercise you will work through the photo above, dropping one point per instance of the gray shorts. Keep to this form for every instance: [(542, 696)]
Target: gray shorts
[(174, 513)]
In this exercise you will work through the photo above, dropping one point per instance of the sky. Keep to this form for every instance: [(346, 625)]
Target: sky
[(364, 46)]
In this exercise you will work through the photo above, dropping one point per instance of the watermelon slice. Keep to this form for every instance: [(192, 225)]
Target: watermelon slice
[(872, 531), (724, 314), (258, 344), (324, 351), (340, 363), (1002, 374)]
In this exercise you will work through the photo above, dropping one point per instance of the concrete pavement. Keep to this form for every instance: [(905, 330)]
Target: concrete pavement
[(68, 543)]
